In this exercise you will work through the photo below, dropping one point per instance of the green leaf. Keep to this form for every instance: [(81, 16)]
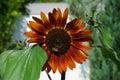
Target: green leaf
[(3, 61), (110, 53), (22, 64), (107, 38)]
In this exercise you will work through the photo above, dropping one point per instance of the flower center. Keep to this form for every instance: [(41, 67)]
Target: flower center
[(58, 41)]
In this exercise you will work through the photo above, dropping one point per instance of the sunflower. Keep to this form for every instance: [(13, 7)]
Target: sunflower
[(63, 42)]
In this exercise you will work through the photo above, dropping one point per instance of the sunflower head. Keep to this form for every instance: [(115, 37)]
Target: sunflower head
[(63, 42)]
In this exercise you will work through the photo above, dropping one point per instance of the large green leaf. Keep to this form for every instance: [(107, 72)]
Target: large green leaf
[(22, 64), (3, 61), (110, 53)]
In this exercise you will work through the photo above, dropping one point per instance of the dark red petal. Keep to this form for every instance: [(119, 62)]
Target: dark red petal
[(80, 45), (51, 18), (83, 39), (77, 28), (64, 17), (37, 20), (54, 11), (58, 17), (73, 23), (36, 40), (38, 27), (81, 34)]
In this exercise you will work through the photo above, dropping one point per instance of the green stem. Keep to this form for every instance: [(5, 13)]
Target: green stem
[(63, 76)]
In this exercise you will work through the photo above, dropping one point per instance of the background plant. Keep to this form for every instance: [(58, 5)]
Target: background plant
[(10, 9), (103, 18)]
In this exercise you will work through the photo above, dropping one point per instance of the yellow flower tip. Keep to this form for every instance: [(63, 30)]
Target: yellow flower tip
[(66, 10), (42, 13), (28, 24)]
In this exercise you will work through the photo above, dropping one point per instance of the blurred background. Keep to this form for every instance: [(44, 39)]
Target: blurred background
[(102, 16)]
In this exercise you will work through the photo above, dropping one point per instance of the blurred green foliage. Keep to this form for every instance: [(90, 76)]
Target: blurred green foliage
[(103, 18), (50, 0), (10, 9)]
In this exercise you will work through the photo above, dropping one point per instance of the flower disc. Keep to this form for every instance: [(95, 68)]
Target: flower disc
[(58, 41)]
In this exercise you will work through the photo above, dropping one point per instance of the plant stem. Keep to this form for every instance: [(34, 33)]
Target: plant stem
[(48, 75), (63, 76)]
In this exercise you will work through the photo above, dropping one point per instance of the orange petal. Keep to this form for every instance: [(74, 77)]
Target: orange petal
[(50, 61), (62, 63), (59, 12), (45, 20), (33, 34), (79, 52), (53, 62), (69, 61), (80, 45), (64, 17), (38, 27), (30, 26), (59, 67), (37, 20), (77, 58), (36, 40), (82, 54)]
